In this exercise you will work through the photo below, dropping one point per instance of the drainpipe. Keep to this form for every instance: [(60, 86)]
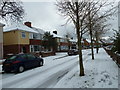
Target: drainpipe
[(18, 43)]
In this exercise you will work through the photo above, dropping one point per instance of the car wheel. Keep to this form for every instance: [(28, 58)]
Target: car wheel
[(21, 69)]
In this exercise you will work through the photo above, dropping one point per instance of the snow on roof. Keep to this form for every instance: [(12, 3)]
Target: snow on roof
[(55, 35), (105, 38), (82, 41), (19, 27), (2, 24), (38, 30), (88, 40), (72, 40)]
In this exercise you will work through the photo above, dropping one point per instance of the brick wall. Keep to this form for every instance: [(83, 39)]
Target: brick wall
[(14, 49), (35, 42)]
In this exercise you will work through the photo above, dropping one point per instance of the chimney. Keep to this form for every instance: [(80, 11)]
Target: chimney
[(28, 24), (55, 32)]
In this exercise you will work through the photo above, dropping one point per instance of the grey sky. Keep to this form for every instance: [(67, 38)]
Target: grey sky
[(43, 14)]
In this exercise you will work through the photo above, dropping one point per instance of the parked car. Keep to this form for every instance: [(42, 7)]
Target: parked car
[(73, 52), (19, 63)]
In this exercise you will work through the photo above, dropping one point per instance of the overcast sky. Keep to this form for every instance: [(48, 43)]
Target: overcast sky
[(43, 14)]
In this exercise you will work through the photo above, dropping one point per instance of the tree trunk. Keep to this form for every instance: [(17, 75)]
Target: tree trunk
[(80, 54), (79, 41), (91, 35), (97, 47), (91, 43)]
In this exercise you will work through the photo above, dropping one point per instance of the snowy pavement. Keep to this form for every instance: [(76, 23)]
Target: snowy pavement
[(62, 71), (100, 73)]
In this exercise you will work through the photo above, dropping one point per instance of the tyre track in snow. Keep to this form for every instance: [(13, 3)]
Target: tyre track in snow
[(12, 81), (54, 78), (7, 75), (51, 82)]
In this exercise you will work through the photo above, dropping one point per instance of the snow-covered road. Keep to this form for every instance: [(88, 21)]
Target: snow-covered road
[(46, 76), (42, 77), (56, 70)]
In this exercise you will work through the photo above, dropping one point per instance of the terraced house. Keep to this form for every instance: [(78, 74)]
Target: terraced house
[(23, 38), (63, 44), (1, 40), (19, 39), (35, 39)]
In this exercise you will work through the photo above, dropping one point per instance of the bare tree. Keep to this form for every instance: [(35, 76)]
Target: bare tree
[(75, 11), (82, 13), (96, 7), (100, 28), (11, 10)]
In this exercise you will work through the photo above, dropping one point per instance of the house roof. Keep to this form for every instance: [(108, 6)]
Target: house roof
[(2, 24), (88, 40), (21, 27), (106, 40), (56, 36), (72, 40), (38, 30)]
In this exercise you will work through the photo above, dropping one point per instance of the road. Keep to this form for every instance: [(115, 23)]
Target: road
[(47, 76)]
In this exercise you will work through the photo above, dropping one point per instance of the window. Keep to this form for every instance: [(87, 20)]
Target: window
[(22, 57), (37, 36), (63, 40), (41, 37), (12, 58), (34, 48), (31, 48), (64, 47), (31, 36), (30, 57), (23, 35)]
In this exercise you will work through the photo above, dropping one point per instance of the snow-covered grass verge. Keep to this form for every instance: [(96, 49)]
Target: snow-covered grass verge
[(99, 73)]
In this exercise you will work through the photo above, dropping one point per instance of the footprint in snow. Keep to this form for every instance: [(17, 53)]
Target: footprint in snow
[(106, 76), (113, 78), (103, 80), (110, 83), (85, 81), (103, 72)]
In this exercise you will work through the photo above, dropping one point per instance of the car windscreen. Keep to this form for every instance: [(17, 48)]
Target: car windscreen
[(12, 58)]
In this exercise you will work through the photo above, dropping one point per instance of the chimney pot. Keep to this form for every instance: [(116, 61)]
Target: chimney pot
[(28, 24), (55, 32)]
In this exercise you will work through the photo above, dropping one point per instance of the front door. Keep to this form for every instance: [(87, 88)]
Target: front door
[(24, 50)]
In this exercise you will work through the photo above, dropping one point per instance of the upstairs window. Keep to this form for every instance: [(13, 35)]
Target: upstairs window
[(36, 36), (23, 35), (31, 36)]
